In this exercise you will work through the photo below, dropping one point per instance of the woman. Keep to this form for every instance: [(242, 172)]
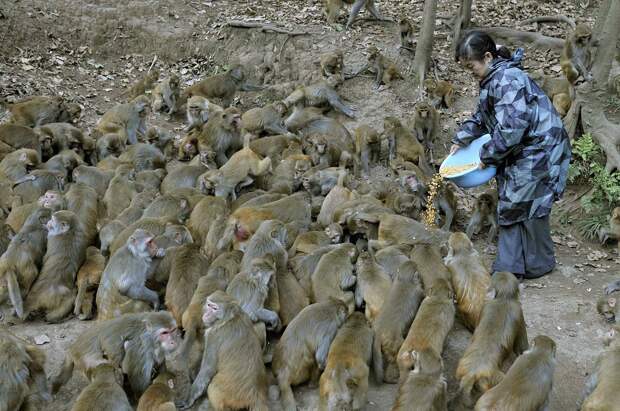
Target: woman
[(529, 146)]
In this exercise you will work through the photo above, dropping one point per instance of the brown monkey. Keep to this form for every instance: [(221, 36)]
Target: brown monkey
[(88, 278), (64, 136), (601, 387), (143, 157), (232, 370), (367, 148), (301, 117), (160, 394), (267, 119), (121, 190), (127, 120), (609, 308), (426, 124), (333, 8), (441, 93), (13, 137), (404, 145), (334, 275), (309, 241), (83, 201), (391, 258), (404, 204), (399, 230), (372, 286), (336, 196), (134, 343), (319, 182), (183, 176), (104, 392), (18, 164), (485, 212), (425, 388), (204, 215), (221, 86), (385, 69), (577, 54), (562, 103), (344, 383), (613, 229), (272, 146), (501, 332), (446, 202), (303, 266), (173, 233), (470, 277), (199, 111), (430, 327), (92, 177), (169, 207), (430, 264), (187, 266), (527, 384), (332, 66), (122, 282), (144, 84), (53, 200), (54, 291), (150, 179), (326, 151), (407, 40), (222, 134), (318, 94), (24, 384), (110, 144), (36, 111), (166, 94), (19, 265), (302, 351)]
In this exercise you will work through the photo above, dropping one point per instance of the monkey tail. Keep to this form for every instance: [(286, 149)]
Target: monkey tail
[(341, 176), (377, 360), (465, 389), (247, 137), (63, 376), (14, 293), (77, 305)]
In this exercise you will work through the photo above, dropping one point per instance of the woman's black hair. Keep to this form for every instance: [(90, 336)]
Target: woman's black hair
[(475, 44)]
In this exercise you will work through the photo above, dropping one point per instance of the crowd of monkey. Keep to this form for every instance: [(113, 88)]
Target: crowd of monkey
[(253, 253)]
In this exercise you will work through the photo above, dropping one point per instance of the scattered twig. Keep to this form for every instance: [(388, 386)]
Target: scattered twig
[(559, 18), (152, 63), (265, 27)]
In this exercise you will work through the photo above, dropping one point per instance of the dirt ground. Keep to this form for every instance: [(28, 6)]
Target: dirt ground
[(91, 50)]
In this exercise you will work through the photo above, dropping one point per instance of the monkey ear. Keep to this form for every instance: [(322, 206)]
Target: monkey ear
[(23, 157), (184, 203), (611, 301), (491, 293), (274, 233)]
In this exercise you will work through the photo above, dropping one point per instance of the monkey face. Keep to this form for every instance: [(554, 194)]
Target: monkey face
[(50, 198), (334, 233), (167, 338), (459, 242), (615, 215), (608, 310), (211, 313), (56, 227), (306, 182)]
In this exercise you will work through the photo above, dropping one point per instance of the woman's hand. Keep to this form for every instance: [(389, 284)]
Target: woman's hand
[(454, 148)]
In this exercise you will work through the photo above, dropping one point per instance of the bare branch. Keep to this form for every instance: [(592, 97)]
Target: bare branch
[(265, 27)]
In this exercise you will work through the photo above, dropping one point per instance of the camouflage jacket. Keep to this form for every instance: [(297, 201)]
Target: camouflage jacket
[(529, 145)]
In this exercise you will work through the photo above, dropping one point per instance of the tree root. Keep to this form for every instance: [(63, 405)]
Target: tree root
[(265, 27), (518, 37), (559, 18)]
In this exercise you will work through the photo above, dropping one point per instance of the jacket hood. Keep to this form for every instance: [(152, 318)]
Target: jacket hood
[(502, 64)]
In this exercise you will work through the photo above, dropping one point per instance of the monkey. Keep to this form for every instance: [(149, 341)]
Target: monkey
[(430, 264), (404, 204), (24, 383), (385, 69), (398, 230), (527, 384), (390, 258), (121, 190), (404, 145), (144, 84), (173, 234), (333, 8), (160, 138), (126, 120), (19, 265), (272, 146), (407, 41), (110, 144), (187, 266), (445, 201), (222, 134), (319, 181), (562, 103), (424, 388), (335, 233), (169, 207), (88, 278), (267, 119), (485, 212), (199, 111), (166, 94), (122, 281), (93, 177), (318, 94), (104, 392), (143, 157), (232, 371), (300, 117), (600, 392), (326, 150), (18, 164), (13, 137), (134, 343), (612, 287), (608, 307), (64, 136), (336, 196), (367, 148), (426, 124), (160, 394), (470, 278), (501, 331), (37, 110), (221, 86), (344, 383), (441, 93), (31, 187), (150, 179), (53, 292), (83, 201), (576, 56), (52, 200), (63, 164), (204, 215), (372, 286), (307, 242), (332, 66), (286, 177), (612, 231), (334, 275), (183, 176), (303, 348), (430, 327)]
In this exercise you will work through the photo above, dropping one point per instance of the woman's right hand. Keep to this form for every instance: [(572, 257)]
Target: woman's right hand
[(454, 148)]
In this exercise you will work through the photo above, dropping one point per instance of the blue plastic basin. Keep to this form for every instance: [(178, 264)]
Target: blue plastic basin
[(470, 155)]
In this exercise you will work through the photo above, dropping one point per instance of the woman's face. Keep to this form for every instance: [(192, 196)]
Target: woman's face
[(479, 67)]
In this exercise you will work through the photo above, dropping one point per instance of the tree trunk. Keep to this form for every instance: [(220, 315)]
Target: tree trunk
[(461, 21), (423, 51), (608, 40)]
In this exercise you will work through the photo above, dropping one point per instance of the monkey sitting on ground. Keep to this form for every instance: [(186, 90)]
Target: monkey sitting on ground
[(485, 212), (317, 95), (372, 286), (222, 135), (165, 95), (441, 93), (134, 343), (104, 392), (576, 55), (144, 84), (24, 384), (127, 120), (110, 144), (385, 69), (501, 331), (332, 66), (407, 41), (333, 7), (344, 383), (425, 388), (267, 119), (367, 148), (38, 110), (232, 370), (87, 282), (613, 230), (221, 86), (470, 277), (609, 308), (160, 394), (527, 384), (16, 165), (601, 391), (199, 111), (333, 276), (302, 351), (426, 124), (404, 145)]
